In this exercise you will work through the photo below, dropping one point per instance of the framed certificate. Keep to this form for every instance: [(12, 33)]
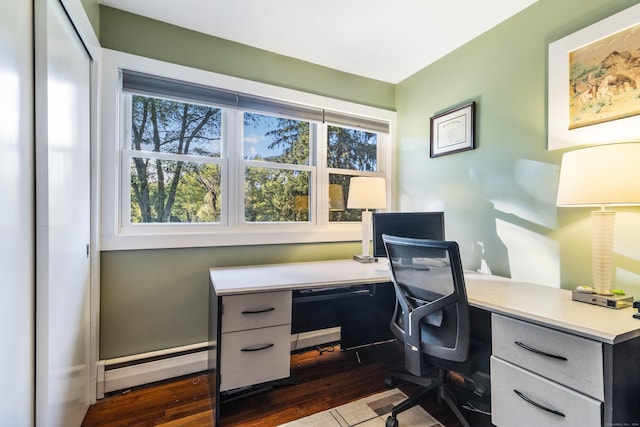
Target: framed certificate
[(453, 130)]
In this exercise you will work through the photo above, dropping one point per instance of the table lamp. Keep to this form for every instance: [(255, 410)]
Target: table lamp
[(366, 192), (603, 175)]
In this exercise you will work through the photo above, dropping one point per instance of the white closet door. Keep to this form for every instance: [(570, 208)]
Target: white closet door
[(63, 224), (17, 235)]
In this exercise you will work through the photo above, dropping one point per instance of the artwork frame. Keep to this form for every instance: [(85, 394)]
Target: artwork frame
[(453, 131), (566, 97)]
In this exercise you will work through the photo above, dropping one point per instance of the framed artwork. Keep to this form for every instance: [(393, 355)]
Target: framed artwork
[(453, 130), (594, 83)]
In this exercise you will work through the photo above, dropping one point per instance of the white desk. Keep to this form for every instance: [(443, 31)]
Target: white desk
[(615, 333), (534, 303)]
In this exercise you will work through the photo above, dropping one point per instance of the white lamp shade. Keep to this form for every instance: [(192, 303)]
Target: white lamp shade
[(600, 175), (367, 193)]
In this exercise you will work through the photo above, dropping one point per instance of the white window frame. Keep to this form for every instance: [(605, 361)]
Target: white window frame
[(232, 231)]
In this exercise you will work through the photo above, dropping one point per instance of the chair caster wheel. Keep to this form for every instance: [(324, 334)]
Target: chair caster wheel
[(391, 421), (389, 382)]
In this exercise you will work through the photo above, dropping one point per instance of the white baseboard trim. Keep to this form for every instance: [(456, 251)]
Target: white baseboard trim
[(139, 369)]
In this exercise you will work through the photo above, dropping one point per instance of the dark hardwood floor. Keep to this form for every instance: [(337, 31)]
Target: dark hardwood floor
[(325, 379)]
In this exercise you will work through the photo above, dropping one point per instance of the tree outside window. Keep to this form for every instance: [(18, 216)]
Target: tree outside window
[(273, 193), (348, 151), (177, 163), (172, 185)]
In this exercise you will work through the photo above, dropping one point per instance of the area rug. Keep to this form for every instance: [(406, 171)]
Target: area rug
[(370, 411)]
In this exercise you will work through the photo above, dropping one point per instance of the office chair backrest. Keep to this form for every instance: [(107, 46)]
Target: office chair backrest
[(432, 315)]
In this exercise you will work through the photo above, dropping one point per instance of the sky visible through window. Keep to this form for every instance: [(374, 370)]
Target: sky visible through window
[(256, 142)]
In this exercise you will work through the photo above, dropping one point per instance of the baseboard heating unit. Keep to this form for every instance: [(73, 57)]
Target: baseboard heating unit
[(123, 373)]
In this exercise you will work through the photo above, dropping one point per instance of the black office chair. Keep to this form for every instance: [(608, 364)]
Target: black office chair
[(432, 320)]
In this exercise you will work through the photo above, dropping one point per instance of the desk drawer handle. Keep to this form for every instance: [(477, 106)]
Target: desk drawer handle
[(264, 310), (542, 353), (264, 347), (537, 405)]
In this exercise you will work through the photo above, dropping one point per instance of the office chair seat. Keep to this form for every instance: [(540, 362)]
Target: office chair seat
[(432, 321)]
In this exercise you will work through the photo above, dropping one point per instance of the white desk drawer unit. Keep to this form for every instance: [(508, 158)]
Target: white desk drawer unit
[(544, 370), (256, 332)]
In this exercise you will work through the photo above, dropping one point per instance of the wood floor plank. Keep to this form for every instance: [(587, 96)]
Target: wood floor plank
[(199, 419)]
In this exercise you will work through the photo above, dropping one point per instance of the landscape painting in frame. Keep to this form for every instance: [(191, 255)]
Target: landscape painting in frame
[(604, 79)]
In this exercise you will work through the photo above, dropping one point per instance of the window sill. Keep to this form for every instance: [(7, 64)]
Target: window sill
[(240, 237)]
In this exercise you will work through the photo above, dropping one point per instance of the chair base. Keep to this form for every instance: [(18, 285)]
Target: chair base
[(429, 384)]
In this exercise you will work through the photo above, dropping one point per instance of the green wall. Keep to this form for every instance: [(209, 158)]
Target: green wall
[(142, 36), (499, 199), (92, 9), (155, 299)]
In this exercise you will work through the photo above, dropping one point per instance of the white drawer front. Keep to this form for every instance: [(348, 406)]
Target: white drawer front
[(578, 364), (250, 311), (254, 356), (510, 409)]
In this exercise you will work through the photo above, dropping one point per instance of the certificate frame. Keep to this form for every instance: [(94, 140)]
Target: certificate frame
[(565, 93), (453, 130)]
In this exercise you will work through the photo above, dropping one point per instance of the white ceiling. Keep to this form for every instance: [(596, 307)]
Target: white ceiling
[(386, 40)]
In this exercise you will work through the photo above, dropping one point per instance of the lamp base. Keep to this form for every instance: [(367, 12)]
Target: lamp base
[(365, 259), (603, 224)]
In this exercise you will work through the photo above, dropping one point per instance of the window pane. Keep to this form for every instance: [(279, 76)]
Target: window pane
[(351, 149), (170, 191), (275, 139), (276, 195), (340, 183), (165, 126)]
